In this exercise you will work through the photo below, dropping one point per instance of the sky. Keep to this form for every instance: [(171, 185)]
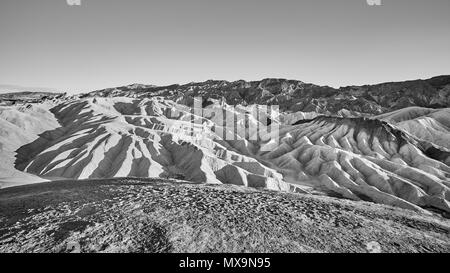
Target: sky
[(107, 43)]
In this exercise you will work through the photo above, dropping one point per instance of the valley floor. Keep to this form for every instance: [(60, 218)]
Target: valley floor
[(154, 215)]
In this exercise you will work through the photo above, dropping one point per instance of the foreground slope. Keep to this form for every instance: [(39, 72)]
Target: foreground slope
[(145, 215)]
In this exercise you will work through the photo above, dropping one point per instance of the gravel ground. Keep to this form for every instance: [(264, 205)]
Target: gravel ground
[(153, 215)]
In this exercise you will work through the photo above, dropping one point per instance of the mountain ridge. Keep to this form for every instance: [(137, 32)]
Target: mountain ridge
[(294, 95)]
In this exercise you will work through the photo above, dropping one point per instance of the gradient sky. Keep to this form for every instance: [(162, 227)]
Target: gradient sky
[(106, 43)]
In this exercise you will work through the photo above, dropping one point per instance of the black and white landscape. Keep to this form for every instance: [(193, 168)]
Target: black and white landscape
[(224, 126), (138, 168)]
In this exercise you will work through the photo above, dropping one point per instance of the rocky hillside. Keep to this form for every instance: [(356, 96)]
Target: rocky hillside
[(153, 215)]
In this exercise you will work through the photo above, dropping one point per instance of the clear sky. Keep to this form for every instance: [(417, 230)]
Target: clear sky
[(106, 43)]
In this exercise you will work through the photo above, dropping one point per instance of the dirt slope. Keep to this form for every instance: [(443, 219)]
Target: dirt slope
[(150, 215)]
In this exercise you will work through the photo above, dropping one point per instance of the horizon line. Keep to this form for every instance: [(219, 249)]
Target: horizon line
[(69, 90)]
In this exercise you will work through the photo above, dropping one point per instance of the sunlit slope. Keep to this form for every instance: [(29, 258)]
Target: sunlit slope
[(20, 125), (432, 125)]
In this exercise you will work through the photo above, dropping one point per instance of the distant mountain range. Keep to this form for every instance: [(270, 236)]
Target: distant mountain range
[(5, 88), (294, 96)]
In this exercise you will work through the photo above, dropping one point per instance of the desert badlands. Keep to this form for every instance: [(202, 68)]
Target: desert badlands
[(301, 158)]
